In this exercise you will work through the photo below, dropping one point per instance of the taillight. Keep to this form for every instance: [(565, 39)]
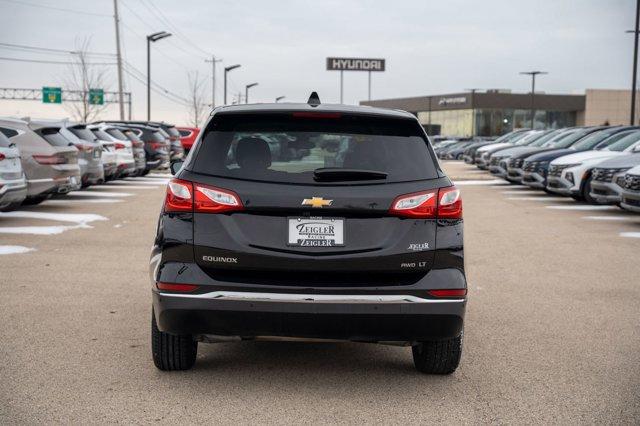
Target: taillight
[(2, 156), (448, 292), (185, 196), (84, 147), (156, 145), (119, 145), (450, 203), (443, 203), (49, 159), (179, 196), (209, 199), (182, 288)]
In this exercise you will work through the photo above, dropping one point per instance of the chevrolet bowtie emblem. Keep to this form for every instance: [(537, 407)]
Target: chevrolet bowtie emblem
[(316, 202)]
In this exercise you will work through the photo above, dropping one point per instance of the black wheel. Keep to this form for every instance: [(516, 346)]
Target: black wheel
[(438, 356), (172, 351), (145, 172), (32, 201), (586, 192)]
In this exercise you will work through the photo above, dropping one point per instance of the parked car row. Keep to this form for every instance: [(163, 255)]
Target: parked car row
[(453, 148), (41, 158), (598, 164)]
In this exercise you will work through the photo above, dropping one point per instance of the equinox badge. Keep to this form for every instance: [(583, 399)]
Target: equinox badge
[(316, 202)]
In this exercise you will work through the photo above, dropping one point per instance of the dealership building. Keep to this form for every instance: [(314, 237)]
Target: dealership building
[(496, 112)]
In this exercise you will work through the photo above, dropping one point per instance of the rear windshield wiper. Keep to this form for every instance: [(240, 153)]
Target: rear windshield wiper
[(337, 174)]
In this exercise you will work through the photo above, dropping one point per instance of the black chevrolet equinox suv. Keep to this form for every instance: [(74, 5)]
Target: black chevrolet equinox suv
[(313, 221)]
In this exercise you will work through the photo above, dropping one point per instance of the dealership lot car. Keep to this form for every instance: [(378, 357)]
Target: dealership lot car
[(125, 160), (630, 198), (13, 185), (89, 152), (48, 161), (156, 145), (188, 136), (251, 245), (609, 175)]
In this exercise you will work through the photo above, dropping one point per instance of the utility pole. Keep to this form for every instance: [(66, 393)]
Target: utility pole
[(213, 79), (226, 70), (634, 78), (533, 90), (119, 59)]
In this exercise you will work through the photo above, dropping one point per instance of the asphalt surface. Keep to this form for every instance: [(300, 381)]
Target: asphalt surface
[(552, 329)]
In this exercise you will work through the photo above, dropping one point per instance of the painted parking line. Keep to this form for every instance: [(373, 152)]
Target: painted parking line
[(540, 198), (126, 183), (108, 186), (40, 230), (15, 249), (521, 192), (583, 208), (81, 201), (60, 217), (480, 182), (158, 175), (630, 234), (512, 186), (99, 194), (611, 218)]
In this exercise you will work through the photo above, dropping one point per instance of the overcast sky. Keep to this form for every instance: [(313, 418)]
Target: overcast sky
[(431, 47)]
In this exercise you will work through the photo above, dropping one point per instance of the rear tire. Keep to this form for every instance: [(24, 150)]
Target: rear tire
[(172, 352), (438, 356)]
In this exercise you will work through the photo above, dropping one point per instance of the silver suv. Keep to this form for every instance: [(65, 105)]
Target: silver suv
[(13, 185)]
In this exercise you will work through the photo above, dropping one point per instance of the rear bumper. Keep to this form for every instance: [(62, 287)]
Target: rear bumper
[(12, 191), (355, 318)]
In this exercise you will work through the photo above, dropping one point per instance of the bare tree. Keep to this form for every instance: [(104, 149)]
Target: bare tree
[(82, 76), (197, 104)]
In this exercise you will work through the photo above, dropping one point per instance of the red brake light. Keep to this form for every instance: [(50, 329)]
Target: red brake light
[(183, 288), (179, 196), (309, 114), (49, 159), (448, 292), (209, 199), (2, 157), (444, 203), (119, 145)]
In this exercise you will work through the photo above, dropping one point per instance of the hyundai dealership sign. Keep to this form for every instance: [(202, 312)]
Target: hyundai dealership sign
[(355, 64)]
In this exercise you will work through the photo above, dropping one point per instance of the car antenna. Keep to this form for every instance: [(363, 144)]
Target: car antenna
[(314, 99)]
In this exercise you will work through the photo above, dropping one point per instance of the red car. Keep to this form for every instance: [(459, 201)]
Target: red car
[(188, 136)]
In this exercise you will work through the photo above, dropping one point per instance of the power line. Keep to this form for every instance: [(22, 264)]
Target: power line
[(158, 91), (61, 9), (23, 47), (140, 76), (2, 58)]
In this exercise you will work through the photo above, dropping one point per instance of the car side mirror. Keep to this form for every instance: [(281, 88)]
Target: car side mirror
[(176, 166)]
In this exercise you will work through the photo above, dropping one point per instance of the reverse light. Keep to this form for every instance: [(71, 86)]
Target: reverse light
[(443, 203), (449, 293), (209, 199), (182, 288)]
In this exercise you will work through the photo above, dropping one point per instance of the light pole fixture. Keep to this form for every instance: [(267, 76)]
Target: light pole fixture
[(533, 90), (246, 91), (152, 38), (635, 64), (279, 98), (226, 70)]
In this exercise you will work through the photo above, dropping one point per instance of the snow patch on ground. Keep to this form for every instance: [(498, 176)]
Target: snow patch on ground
[(481, 182), (80, 220), (99, 194), (614, 218), (630, 234), (583, 208)]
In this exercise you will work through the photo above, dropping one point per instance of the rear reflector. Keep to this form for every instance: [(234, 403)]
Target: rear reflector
[(448, 292), (182, 288)]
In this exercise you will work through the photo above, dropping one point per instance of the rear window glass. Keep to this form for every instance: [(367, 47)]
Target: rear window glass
[(4, 141), (117, 134), (101, 135), (286, 148), (54, 137), (83, 133)]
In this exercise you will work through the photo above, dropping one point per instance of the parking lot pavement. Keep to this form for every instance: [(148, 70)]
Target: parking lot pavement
[(552, 331)]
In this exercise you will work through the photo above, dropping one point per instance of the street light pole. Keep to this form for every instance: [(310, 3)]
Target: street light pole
[(279, 98), (152, 38), (635, 65), (533, 90), (246, 91), (226, 70)]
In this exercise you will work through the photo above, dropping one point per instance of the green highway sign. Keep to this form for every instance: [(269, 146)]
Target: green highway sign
[(52, 95), (96, 96)]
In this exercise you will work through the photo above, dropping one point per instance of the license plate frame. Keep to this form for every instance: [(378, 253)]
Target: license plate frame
[(327, 232)]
